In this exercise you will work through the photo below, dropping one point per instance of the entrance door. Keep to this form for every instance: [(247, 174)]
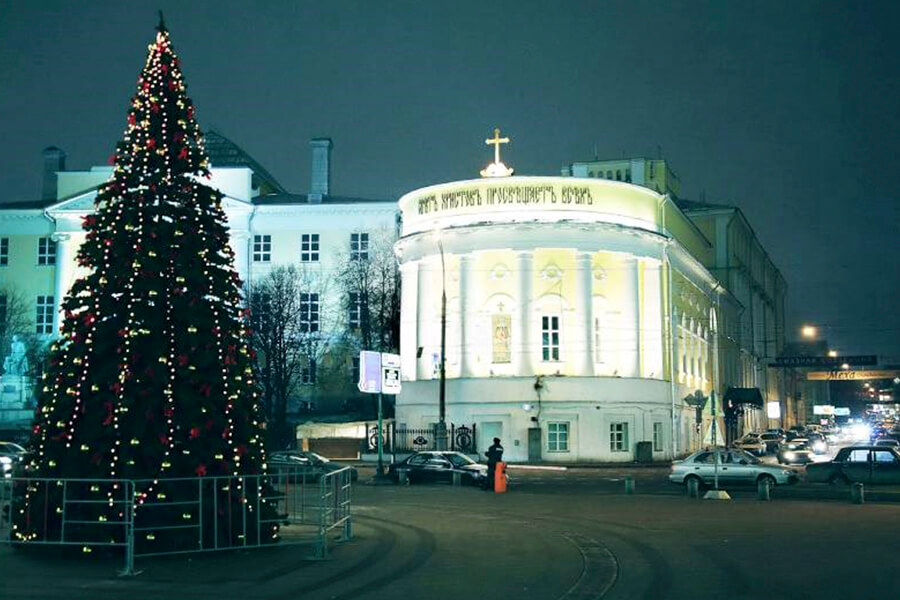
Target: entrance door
[(487, 431), (534, 444)]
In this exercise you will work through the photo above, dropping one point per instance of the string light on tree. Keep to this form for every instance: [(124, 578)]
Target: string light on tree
[(148, 379)]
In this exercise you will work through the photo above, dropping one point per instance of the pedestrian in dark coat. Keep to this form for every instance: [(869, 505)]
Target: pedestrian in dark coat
[(494, 455)]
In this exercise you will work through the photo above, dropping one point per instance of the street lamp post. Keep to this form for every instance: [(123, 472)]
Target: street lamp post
[(440, 438)]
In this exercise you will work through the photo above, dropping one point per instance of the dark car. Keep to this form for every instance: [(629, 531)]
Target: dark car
[(863, 464), (313, 465), (439, 466)]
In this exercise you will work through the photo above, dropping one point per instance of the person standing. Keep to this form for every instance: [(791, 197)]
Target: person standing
[(494, 455)]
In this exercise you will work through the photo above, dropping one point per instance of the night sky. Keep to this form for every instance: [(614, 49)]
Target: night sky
[(789, 110)]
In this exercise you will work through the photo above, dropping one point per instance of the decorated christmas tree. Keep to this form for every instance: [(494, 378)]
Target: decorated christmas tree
[(150, 378)]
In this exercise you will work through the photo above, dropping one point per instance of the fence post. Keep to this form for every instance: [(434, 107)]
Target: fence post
[(128, 486), (452, 436), (857, 493), (322, 543)]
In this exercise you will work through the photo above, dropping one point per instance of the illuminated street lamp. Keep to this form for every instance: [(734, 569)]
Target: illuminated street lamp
[(832, 353), (809, 332)]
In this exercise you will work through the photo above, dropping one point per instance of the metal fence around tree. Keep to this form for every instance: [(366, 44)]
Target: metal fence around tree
[(402, 439), (180, 516)]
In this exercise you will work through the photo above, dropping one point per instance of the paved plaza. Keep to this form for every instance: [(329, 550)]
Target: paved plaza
[(553, 536)]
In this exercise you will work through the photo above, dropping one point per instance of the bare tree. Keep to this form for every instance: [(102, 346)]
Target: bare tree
[(369, 282), (289, 325)]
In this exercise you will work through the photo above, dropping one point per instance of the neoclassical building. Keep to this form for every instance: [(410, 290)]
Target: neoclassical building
[(579, 316), (268, 227)]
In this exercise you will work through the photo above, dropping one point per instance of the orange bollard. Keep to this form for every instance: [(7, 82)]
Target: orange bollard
[(500, 478)]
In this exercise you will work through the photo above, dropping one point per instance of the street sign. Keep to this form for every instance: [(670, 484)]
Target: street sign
[(841, 411), (773, 410), (379, 372), (369, 372), (825, 361), (390, 373), (823, 409), (847, 375)]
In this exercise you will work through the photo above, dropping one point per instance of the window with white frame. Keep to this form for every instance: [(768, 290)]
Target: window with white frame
[(46, 251), (43, 318), (309, 247), (618, 437), (262, 248), (354, 369), (657, 437), (308, 371), (550, 337), (4, 252), (359, 246), (309, 312), (558, 436), (358, 309)]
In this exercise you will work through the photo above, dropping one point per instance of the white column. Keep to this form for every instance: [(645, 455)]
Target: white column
[(466, 316), (522, 341), (64, 270), (239, 241), (630, 345), (584, 301), (409, 319), (425, 315)]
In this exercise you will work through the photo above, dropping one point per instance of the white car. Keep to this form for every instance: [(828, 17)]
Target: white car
[(733, 466), (751, 443), (888, 442)]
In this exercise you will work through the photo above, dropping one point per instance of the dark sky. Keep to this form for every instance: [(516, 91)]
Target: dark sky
[(789, 110)]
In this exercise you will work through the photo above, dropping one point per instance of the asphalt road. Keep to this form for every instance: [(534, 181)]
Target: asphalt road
[(556, 534)]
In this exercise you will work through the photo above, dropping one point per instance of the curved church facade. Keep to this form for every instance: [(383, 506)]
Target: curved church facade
[(578, 316)]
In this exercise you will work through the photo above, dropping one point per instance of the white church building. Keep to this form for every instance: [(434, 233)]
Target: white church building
[(578, 317)]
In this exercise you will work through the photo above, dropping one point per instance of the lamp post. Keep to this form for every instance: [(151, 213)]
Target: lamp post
[(440, 438)]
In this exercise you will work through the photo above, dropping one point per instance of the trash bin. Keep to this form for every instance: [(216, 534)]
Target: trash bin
[(644, 452)]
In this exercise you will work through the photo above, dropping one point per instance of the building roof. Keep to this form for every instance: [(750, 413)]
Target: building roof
[(225, 153), (286, 198), (689, 205)]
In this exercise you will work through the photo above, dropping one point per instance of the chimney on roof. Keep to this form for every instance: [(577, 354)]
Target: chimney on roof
[(54, 162), (320, 176)]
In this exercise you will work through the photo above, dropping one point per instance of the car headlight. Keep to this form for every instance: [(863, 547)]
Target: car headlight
[(786, 472), (5, 460), (790, 455)]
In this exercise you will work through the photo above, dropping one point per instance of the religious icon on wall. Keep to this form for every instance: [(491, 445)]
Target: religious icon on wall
[(500, 325)]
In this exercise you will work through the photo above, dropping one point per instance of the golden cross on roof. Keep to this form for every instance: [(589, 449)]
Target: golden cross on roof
[(496, 168), (496, 141)]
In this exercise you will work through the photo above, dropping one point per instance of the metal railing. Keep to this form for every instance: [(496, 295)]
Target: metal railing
[(396, 439), (177, 516)]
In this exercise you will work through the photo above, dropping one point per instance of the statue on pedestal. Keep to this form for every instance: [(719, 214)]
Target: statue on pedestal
[(16, 363)]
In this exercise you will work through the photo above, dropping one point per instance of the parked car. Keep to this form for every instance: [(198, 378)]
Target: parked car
[(439, 466), (11, 455), (313, 465), (795, 452), (752, 444), (772, 440), (888, 443), (734, 467), (863, 464)]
